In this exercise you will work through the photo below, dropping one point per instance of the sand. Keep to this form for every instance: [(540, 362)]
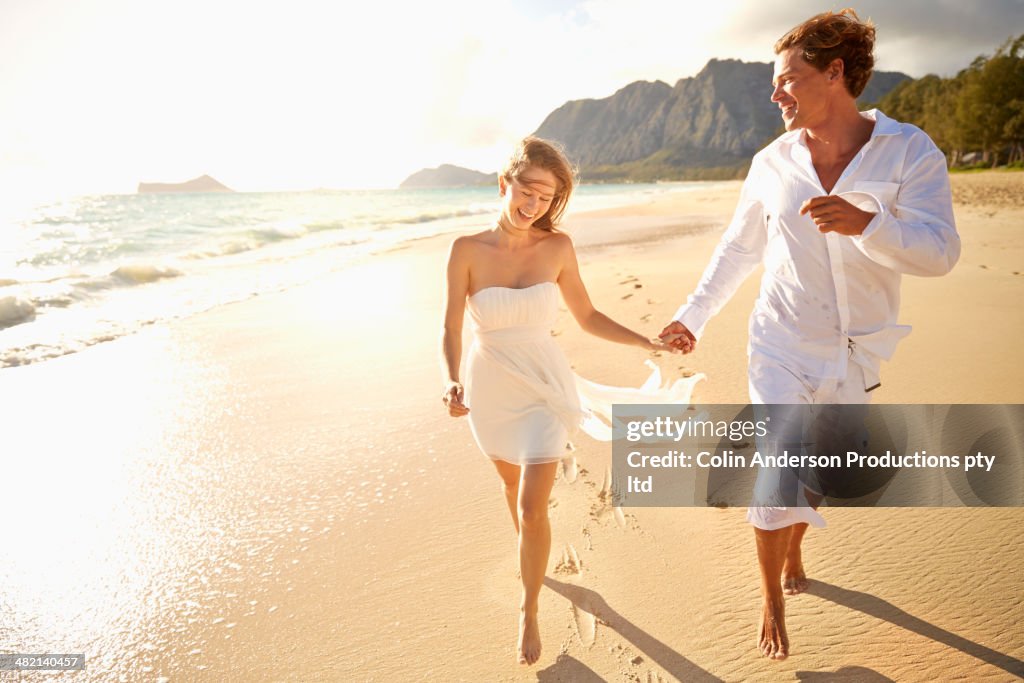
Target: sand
[(272, 491)]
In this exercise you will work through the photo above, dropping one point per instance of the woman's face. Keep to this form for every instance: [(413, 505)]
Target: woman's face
[(528, 197)]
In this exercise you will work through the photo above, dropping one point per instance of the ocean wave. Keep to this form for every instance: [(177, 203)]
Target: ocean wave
[(320, 226), (34, 353), (431, 217), (225, 249), (56, 300), (142, 273), (276, 233), (15, 310)]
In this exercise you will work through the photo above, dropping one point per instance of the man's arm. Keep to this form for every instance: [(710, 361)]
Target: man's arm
[(918, 235), (736, 256)]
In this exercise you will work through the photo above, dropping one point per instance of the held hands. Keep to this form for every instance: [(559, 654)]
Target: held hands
[(677, 337), (453, 397), (834, 214), (657, 344)]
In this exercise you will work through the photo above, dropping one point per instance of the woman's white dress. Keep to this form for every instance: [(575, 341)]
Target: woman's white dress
[(525, 401)]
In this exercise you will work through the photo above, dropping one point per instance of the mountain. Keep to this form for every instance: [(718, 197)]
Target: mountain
[(201, 184), (707, 126), (447, 175)]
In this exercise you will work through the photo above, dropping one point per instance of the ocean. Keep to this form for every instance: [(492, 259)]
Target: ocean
[(82, 271)]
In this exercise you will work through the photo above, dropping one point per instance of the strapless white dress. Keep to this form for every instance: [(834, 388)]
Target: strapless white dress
[(525, 402)]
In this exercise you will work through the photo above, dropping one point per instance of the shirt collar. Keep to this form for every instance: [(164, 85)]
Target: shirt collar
[(883, 124)]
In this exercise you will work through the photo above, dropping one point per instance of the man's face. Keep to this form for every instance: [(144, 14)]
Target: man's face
[(801, 91)]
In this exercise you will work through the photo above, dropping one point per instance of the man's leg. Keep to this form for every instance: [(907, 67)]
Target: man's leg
[(772, 640), (774, 511), (849, 391)]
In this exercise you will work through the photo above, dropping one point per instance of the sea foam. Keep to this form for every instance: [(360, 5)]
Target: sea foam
[(14, 311), (141, 273)]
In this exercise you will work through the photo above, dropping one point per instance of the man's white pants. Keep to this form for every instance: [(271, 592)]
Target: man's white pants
[(772, 383)]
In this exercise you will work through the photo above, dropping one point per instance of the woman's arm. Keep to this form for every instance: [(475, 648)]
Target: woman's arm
[(456, 291), (589, 318)]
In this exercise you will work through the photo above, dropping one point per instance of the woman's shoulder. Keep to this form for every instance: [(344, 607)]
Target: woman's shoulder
[(558, 241), (469, 242)]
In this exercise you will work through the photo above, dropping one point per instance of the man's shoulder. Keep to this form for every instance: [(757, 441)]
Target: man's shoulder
[(777, 149), (885, 126), (787, 139), (908, 137)]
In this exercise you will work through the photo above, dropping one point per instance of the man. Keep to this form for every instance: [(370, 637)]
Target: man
[(837, 209)]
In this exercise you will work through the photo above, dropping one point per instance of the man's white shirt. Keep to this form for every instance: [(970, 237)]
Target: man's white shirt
[(825, 294)]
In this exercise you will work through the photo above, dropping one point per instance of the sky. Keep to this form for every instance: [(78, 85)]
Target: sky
[(97, 96)]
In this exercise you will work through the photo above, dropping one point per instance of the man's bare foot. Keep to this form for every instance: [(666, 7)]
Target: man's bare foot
[(773, 642), (529, 638), (793, 578)]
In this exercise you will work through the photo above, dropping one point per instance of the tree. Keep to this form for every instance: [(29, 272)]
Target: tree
[(980, 109)]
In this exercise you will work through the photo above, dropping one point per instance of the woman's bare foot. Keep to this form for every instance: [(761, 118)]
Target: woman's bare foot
[(528, 647), (794, 580), (773, 642)]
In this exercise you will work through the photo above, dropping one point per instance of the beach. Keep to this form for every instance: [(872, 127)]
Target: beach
[(272, 490)]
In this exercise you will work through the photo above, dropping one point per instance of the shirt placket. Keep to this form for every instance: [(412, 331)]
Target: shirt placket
[(833, 245)]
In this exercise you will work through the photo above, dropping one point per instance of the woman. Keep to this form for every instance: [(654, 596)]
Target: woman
[(522, 398)]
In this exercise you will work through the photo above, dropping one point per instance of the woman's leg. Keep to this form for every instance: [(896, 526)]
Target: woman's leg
[(534, 551), (510, 475)]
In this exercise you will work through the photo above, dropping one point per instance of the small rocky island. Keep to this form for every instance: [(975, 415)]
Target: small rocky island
[(446, 176), (203, 183)]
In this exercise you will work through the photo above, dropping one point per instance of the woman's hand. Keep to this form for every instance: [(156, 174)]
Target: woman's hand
[(678, 337), (656, 344), (453, 397)]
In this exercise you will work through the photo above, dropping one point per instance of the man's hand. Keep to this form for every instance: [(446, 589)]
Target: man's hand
[(834, 214), (678, 337)]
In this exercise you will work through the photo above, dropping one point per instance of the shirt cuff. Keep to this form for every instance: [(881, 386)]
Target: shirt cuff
[(872, 227), (866, 201), (693, 317)]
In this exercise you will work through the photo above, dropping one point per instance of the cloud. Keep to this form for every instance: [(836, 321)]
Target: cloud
[(917, 37)]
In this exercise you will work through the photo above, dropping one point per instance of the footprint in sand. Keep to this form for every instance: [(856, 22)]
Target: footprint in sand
[(570, 471), (627, 296), (586, 624), (570, 562), (586, 534), (645, 317), (631, 278), (607, 500), (654, 302), (605, 494), (574, 557)]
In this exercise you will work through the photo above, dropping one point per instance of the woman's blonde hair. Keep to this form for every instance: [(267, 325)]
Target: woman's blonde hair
[(550, 156)]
